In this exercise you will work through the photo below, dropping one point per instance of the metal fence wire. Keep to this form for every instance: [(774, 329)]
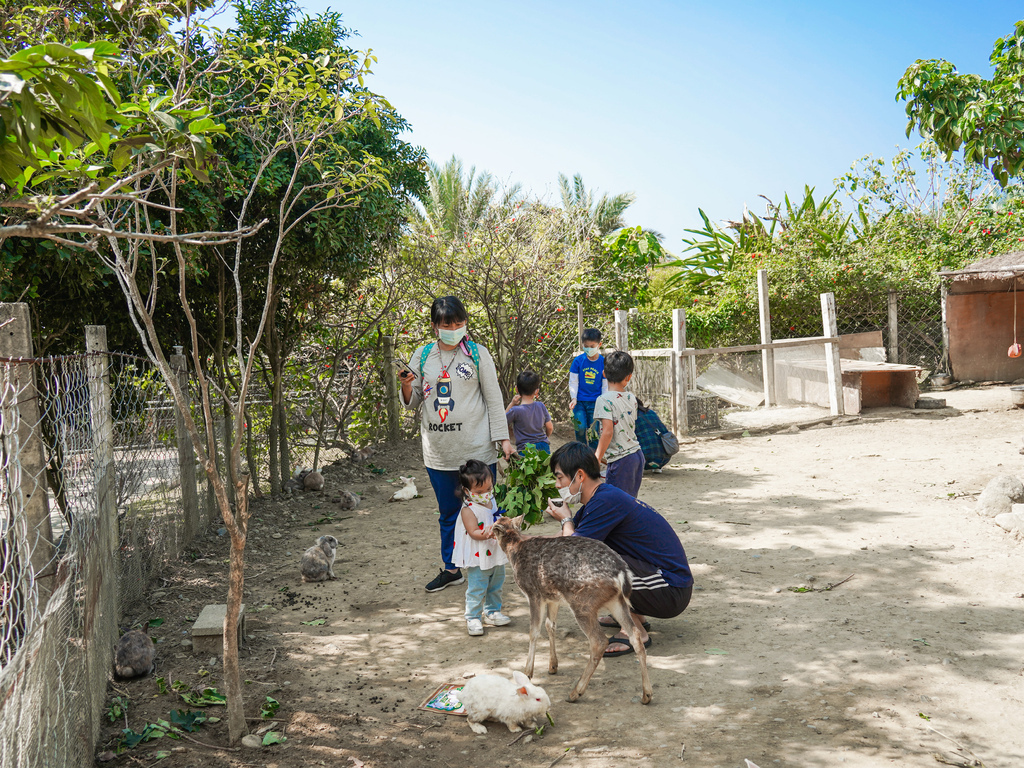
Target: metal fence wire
[(90, 511)]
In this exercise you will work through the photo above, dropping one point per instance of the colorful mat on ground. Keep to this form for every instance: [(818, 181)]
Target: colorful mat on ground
[(445, 699)]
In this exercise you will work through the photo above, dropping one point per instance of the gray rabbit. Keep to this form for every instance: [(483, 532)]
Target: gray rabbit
[(347, 500), (318, 561), (135, 654)]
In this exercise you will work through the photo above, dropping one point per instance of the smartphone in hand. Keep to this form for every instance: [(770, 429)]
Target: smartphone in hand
[(402, 368)]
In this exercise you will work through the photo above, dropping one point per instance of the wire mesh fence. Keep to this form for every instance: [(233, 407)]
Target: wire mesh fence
[(59, 581), (92, 508)]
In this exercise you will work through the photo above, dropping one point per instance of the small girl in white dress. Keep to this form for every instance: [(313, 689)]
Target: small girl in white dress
[(477, 551)]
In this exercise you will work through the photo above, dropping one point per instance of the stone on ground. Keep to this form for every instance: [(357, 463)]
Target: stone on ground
[(1000, 495)]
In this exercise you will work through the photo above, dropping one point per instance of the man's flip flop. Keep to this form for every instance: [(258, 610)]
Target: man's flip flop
[(616, 625), (622, 641)]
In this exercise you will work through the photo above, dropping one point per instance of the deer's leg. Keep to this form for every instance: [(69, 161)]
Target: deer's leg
[(620, 611), (538, 613), (586, 616), (550, 623)]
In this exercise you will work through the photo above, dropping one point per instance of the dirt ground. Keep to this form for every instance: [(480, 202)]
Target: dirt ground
[(917, 657)]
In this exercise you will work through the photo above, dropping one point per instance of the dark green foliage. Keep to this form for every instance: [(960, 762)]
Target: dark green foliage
[(528, 484)]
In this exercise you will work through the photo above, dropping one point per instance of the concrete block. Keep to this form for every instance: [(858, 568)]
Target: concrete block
[(208, 631)]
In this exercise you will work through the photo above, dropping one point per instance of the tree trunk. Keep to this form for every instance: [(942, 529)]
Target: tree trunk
[(250, 458), (237, 524)]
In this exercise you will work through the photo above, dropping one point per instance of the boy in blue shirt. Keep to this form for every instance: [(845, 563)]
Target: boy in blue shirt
[(586, 383)]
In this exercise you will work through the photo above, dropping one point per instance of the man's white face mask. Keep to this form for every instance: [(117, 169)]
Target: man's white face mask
[(568, 496)]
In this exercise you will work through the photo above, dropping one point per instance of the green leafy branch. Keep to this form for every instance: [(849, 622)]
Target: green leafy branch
[(528, 484)]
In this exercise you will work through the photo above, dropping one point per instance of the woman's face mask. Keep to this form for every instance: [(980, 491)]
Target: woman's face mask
[(452, 336)]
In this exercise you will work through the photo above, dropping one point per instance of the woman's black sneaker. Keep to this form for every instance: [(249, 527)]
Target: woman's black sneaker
[(445, 579)]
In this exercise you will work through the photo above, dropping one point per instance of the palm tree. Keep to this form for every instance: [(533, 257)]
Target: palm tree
[(458, 202), (601, 217)]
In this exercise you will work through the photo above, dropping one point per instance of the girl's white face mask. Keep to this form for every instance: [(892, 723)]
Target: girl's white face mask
[(452, 337), (484, 498)]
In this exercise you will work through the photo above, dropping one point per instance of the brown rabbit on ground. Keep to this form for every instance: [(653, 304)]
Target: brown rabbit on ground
[(135, 654), (318, 561)]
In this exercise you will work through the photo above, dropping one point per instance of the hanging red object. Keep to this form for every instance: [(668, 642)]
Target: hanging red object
[(1014, 350)]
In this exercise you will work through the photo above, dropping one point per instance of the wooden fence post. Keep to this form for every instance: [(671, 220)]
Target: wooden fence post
[(830, 329), (622, 330), (579, 327), (186, 453), (391, 403), (16, 342), (680, 384), (767, 355), (894, 332)]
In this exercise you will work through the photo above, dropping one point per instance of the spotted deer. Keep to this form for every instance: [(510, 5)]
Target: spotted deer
[(584, 572)]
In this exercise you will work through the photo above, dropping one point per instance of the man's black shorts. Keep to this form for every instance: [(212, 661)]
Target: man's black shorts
[(652, 595)]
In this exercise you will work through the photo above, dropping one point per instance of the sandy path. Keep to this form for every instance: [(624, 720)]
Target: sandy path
[(930, 624)]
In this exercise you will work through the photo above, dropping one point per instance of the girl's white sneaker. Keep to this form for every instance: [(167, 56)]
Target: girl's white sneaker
[(496, 619)]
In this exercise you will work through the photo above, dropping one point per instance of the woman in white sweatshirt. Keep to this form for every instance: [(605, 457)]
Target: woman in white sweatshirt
[(463, 416)]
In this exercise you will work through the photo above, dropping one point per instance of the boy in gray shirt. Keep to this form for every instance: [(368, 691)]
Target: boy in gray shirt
[(616, 411), (528, 417)]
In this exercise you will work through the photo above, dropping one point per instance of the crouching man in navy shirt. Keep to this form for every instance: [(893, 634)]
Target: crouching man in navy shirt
[(661, 577)]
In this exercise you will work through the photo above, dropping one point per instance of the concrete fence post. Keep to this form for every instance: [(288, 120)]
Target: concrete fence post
[(680, 366), (102, 571), (834, 371), (186, 453), (27, 443), (622, 330), (101, 420), (894, 327), (767, 355)]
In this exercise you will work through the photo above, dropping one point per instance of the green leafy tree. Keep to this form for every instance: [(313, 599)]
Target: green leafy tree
[(596, 216), (458, 202), (982, 117), (516, 276), (620, 266)]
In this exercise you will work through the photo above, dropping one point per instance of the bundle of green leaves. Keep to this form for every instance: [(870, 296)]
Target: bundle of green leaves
[(528, 484)]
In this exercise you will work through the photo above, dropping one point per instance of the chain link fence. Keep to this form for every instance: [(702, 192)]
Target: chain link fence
[(92, 507)]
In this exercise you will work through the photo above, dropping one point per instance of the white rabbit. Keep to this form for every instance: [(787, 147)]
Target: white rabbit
[(514, 702), (408, 493)]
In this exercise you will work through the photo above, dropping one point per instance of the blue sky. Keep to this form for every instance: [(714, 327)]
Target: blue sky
[(685, 104)]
